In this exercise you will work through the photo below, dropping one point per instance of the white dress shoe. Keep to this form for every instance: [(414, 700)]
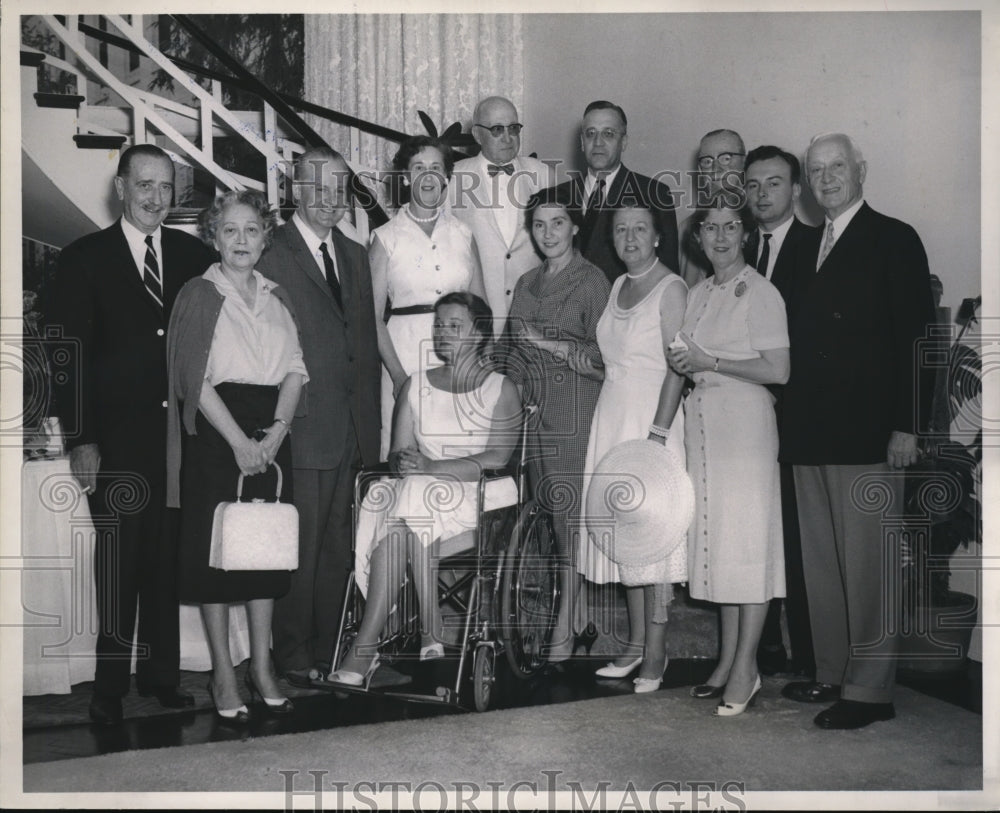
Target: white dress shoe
[(612, 671)]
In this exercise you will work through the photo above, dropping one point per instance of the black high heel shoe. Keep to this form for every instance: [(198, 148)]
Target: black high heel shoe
[(238, 716), (586, 638), (281, 705)]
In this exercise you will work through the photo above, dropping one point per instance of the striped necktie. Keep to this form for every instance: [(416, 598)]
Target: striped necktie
[(151, 273), (827, 244)]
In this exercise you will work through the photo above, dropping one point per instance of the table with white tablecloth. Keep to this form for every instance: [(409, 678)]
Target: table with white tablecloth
[(57, 587)]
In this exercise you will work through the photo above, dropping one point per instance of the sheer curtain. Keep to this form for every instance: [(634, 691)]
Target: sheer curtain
[(385, 67)]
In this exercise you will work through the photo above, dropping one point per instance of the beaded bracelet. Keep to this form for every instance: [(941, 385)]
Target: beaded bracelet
[(659, 431)]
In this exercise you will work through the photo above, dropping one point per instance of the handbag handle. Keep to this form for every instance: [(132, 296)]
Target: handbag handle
[(239, 485)]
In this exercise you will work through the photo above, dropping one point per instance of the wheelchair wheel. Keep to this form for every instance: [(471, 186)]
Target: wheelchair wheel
[(529, 590), (483, 676)]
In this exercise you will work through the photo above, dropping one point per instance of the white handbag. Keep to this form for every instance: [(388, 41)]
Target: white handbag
[(255, 535)]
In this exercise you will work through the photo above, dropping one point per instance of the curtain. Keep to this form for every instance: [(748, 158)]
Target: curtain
[(385, 67)]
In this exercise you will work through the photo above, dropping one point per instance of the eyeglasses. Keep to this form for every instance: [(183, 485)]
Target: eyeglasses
[(607, 134), (729, 229), (724, 159), (497, 130)]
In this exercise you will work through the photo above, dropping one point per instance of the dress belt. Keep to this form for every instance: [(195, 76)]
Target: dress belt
[(412, 310)]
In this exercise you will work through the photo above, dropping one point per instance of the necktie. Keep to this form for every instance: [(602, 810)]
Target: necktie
[(151, 273), (596, 197), (765, 255), (506, 169), (827, 244), (331, 274)]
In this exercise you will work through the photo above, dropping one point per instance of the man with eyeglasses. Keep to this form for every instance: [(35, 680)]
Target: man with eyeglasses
[(719, 163), (851, 411), (773, 188), (609, 184), (327, 277), (489, 193)]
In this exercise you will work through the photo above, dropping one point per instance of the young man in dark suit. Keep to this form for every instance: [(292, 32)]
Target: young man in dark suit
[(608, 185), (113, 293), (326, 274), (773, 187), (850, 415)]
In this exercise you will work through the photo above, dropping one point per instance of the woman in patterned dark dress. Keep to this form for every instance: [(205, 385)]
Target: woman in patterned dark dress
[(549, 348)]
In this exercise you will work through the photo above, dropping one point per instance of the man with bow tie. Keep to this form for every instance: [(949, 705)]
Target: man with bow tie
[(489, 193), (112, 294)]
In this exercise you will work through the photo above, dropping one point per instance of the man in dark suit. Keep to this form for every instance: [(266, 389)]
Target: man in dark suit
[(608, 185), (113, 293), (326, 274), (773, 188), (850, 416)]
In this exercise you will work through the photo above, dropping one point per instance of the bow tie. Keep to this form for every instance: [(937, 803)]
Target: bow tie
[(493, 169)]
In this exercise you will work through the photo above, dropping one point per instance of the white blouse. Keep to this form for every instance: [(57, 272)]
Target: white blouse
[(258, 345)]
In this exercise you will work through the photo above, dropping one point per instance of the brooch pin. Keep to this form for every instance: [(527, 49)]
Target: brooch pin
[(741, 288)]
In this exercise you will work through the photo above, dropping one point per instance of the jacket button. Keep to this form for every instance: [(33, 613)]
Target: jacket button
[(164, 404), (508, 292), (159, 331), (836, 314), (508, 256)]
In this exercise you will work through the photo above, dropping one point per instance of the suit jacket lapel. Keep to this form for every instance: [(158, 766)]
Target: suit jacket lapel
[(306, 262), (851, 240), (122, 262)]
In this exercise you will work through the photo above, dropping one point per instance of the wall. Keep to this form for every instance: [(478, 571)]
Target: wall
[(906, 86)]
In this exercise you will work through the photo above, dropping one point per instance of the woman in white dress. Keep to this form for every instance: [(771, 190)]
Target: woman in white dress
[(453, 421), (419, 255), (639, 399), (735, 342)]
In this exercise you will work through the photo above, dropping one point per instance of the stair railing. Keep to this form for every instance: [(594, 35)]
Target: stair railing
[(278, 152)]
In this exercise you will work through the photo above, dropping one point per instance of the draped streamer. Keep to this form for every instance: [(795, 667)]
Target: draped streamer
[(385, 67)]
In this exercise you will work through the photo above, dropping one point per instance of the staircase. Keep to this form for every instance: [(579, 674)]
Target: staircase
[(70, 149)]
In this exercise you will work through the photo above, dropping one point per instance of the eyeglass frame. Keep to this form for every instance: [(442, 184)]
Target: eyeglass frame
[(710, 229), (606, 133), (498, 130), (706, 161)]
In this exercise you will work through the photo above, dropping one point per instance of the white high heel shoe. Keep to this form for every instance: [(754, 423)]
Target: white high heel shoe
[(612, 671), (347, 677), (643, 685), (725, 709)]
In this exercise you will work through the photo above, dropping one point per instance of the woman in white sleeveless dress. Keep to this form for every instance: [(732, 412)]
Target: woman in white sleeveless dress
[(639, 399), (453, 421), (419, 255)]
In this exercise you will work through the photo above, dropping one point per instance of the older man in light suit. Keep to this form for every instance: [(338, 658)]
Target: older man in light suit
[(489, 193), (328, 279)]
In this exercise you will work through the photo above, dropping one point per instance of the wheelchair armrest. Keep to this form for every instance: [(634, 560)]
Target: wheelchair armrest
[(499, 474), (381, 469)]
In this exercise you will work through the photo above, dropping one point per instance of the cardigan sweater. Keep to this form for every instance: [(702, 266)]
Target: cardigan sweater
[(189, 340)]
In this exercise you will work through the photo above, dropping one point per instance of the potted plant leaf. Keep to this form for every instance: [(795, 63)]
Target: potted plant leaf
[(944, 514)]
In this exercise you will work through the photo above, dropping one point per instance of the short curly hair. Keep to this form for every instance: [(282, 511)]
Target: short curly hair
[(414, 144), (209, 218), (731, 200)]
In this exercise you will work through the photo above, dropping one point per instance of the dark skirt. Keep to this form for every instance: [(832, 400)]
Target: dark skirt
[(209, 476)]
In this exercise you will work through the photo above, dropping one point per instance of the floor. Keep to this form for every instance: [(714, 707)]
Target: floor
[(57, 727)]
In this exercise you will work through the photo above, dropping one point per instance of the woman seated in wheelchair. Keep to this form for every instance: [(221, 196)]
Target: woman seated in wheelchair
[(451, 422)]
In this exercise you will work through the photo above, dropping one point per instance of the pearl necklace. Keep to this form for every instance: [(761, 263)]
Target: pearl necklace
[(630, 275), (430, 219)]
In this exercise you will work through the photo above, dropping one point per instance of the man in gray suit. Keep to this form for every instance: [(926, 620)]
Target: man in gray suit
[(327, 277), (489, 193)]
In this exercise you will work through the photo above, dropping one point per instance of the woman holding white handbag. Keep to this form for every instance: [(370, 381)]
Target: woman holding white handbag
[(235, 374)]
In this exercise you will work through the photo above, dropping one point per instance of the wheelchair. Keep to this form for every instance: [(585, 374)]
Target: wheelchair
[(497, 589)]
